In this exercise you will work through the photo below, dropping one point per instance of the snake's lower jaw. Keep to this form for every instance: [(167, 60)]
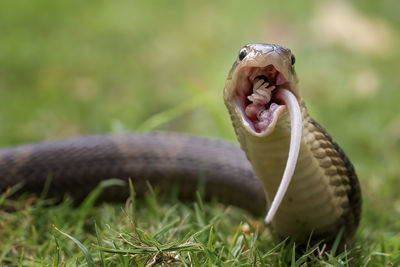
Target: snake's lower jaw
[(271, 117)]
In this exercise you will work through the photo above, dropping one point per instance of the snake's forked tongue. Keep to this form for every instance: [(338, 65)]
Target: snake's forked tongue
[(295, 137)]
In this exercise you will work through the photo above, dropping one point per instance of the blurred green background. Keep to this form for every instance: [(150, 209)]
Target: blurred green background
[(83, 67)]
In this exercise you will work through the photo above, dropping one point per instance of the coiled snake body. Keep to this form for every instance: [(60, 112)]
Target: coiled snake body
[(319, 193)]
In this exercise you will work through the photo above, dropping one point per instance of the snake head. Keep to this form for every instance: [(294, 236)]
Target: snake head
[(252, 89)]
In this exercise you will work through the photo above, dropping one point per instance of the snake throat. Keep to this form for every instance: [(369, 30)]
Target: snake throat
[(256, 97)]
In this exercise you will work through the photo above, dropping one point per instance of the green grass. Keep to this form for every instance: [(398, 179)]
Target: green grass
[(146, 232), (77, 68)]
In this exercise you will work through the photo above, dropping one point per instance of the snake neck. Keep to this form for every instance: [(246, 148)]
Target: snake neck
[(320, 174)]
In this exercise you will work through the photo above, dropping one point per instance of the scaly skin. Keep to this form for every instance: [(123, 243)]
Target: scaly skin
[(324, 193), (165, 160)]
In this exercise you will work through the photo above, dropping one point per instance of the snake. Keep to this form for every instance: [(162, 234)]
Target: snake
[(285, 162)]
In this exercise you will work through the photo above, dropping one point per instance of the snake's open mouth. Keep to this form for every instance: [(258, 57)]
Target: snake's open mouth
[(256, 97)]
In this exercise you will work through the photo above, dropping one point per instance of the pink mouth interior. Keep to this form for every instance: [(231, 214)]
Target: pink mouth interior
[(260, 109)]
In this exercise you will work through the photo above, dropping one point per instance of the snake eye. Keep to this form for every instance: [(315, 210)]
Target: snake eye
[(292, 59), (242, 54)]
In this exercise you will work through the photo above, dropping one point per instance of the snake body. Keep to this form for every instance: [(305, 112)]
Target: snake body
[(76, 165), (323, 194)]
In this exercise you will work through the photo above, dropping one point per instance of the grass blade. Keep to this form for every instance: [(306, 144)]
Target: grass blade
[(57, 256), (165, 116), (166, 228), (91, 199), (132, 199), (337, 241), (89, 259), (100, 244)]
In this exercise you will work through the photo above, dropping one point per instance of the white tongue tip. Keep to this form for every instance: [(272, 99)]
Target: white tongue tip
[(295, 138)]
